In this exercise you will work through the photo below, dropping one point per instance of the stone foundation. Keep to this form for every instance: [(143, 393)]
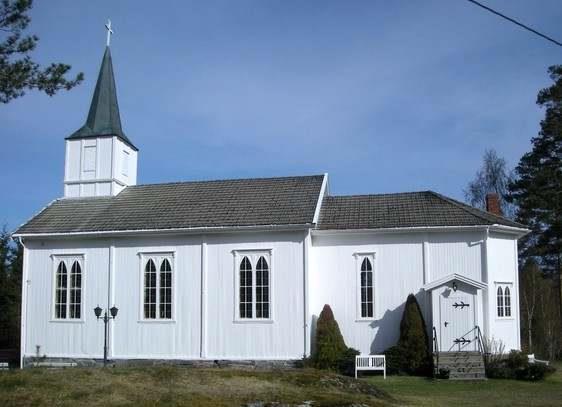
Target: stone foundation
[(48, 362)]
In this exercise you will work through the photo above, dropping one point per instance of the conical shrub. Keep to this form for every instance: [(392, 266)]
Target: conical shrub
[(330, 346), (414, 341)]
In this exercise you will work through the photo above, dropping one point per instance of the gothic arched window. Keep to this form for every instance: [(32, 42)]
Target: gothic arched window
[(253, 280), (507, 301), (158, 287), (68, 287), (246, 288), (262, 289), (61, 289), (500, 302), (366, 288)]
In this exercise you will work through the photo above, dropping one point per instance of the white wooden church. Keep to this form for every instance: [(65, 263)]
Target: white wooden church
[(240, 269)]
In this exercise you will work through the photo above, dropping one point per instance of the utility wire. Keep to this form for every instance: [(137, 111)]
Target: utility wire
[(546, 37)]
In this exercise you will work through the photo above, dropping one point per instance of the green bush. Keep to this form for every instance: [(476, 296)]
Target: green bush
[(533, 372), (330, 346), (346, 364), (516, 360), (395, 360), (516, 366), (411, 355), (499, 371)]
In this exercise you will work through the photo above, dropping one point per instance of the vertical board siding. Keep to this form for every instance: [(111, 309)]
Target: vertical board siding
[(459, 253), (502, 267), (104, 157), (180, 337), (399, 263), (59, 338), (281, 338), (398, 271), (132, 337)]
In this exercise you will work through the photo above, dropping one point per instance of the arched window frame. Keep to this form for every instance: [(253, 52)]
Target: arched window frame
[(359, 259), (505, 300), (499, 300), (261, 311), (164, 306), (70, 308)]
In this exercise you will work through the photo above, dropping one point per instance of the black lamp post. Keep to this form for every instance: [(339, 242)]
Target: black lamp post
[(113, 312)]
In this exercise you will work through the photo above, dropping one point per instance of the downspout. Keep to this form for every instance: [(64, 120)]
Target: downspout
[(306, 259), (24, 284)]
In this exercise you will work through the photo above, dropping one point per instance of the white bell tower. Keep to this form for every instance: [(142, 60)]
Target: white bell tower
[(100, 160)]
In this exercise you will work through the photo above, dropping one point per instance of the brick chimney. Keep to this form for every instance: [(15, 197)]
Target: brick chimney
[(493, 204)]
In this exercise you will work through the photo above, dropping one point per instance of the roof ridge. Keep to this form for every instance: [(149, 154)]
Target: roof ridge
[(381, 194), (486, 216), (222, 180)]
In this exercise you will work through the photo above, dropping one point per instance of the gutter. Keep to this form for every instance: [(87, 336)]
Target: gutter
[(519, 232), (194, 230)]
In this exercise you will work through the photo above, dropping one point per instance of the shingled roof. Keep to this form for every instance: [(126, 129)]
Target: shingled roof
[(402, 210), (184, 205)]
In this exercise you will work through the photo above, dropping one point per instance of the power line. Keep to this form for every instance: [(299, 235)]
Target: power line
[(526, 27)]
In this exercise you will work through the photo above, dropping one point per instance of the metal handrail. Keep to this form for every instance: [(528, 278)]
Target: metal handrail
[(480, 339), (435, 348)]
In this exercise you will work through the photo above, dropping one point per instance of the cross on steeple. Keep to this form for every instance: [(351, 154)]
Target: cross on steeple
[(109, 31)]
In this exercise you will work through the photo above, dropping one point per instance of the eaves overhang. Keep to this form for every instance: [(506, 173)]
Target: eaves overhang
[(170, 231)]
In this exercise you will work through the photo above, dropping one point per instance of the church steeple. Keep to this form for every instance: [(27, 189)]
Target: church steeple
[(103, 116), (100, 158)]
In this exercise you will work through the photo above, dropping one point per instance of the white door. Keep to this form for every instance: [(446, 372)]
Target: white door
[(457, 318)]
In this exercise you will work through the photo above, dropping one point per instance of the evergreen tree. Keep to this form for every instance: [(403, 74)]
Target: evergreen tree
[(414, 341), (18, 71), (537, 188), (10, 290), (330, 346)]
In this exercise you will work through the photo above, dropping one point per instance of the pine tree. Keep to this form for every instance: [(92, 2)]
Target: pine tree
[(18, 71), (537, 188)]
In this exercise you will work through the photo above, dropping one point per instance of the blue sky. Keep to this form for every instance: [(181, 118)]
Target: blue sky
[(386, 96)]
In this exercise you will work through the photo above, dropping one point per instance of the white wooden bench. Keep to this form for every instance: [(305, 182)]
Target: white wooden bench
[(370, 362), (532, 360), (4, 365)]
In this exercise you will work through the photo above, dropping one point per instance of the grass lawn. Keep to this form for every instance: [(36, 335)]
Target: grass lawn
[(168, 385), (424, 392)]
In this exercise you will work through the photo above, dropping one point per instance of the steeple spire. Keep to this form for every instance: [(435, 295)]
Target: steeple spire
[(100, 160), (103, 117)]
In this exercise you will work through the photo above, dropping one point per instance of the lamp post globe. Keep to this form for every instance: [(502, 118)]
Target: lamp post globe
[(97, 311), (113, 310)]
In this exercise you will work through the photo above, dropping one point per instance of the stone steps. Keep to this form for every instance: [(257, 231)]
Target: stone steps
[(461, 365)]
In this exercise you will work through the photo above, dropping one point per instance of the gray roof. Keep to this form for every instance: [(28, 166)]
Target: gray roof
[(402, 210), (103, 117), (207, 204)]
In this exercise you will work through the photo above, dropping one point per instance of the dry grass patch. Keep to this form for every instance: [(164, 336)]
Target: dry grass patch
[(174, 385)]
